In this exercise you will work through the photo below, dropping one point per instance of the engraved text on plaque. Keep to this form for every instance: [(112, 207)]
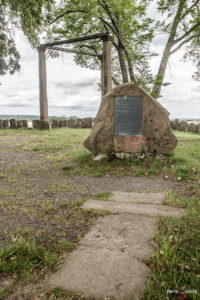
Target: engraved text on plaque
[(128, 115)]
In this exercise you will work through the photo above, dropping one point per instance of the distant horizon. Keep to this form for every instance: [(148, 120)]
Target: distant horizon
[(6, 116)]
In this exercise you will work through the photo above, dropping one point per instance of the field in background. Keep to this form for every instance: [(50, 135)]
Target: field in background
[(41, 219)]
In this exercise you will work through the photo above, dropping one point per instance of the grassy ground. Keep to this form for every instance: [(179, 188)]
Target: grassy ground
[(41, 219)]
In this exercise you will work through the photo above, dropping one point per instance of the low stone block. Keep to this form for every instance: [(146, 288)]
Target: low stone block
[(35, 124), (44, 125), (25, 123), (87, 123), (65, 123), (198, 128), (6, 124), (19, 124), (55, 124), (71, 123), (79, 123), (13, 123), (1, 124)]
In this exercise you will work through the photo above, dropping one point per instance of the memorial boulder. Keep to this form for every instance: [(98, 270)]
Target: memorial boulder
[(130, 121)]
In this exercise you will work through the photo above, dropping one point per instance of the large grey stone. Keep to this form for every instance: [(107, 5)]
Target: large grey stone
[(13, 123), (134, 208), (109, 261), (153, 198), (1, 124), (71, 123), (157, 135), (6, 124)]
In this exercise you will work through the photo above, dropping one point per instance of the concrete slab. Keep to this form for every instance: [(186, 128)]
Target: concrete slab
[(134, 208), (109, 261), (154, 198)]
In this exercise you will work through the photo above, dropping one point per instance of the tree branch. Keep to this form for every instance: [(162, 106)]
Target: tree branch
[(189, 9), (65, 13), (116, 83), (184, 42), (185, 34)]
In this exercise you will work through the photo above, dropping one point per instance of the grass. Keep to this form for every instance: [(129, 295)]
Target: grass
[(175, 262), (27, 255), (102, 196), (24, 258)]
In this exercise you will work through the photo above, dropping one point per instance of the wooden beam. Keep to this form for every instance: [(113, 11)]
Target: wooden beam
[(43, 85), (85, 38), (75, 51)]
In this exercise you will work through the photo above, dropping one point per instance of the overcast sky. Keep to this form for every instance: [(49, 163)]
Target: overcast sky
[(74, 91)]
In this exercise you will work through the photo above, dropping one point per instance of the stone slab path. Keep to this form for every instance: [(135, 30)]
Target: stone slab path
[(109, 262)]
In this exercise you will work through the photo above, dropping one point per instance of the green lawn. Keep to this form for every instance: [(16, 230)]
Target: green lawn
[(175, 262)]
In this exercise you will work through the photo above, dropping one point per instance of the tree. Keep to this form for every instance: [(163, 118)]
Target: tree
[(131, 34), (130, 31), (182, 24), (27, 15)]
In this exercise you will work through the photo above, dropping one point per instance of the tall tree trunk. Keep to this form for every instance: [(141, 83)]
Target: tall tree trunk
[(166, 54), (122, 65), (162, 70), (130, 67)]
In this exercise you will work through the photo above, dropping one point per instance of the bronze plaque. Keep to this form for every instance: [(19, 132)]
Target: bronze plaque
[(128, 115)]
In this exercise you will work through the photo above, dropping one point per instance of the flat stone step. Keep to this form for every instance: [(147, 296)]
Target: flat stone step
[(134, 208), (154, 198), (109, 261)]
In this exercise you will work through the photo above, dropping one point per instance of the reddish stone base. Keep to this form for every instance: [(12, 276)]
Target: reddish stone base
[(130, 144)]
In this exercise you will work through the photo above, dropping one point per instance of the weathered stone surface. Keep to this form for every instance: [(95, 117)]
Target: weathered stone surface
[(87, 123), (134, 208), (198, 128), (44, 125), (72, 123), (79, 123), (25, 123), (61, 123), (35, 124), (6, 124), (183, 126), (65, 123), (157, 134), (154, 198), (1, 124), (13, 123), (109, 262), (19, 124), (55, 124)]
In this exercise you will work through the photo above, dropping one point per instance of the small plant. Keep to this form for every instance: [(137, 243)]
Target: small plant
[(22, 258), (81, 156), (183, 172), (78, 203), (67, 167), (102, 196)]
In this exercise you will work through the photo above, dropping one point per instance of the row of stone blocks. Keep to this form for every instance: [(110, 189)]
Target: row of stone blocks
[(71, 123), (13, 124), (185, 126)]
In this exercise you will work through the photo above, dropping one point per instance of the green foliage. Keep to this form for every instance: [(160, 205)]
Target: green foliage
[(130, 30), (27, 15)]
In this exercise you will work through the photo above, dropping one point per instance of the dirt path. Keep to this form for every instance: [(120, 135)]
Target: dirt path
[(36, 197)]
